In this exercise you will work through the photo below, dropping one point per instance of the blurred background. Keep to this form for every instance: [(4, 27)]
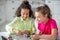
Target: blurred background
[(8, 9)]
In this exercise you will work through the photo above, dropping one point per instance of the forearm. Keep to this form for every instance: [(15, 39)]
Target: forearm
[(9, 29), (51, 36), (47, 37)]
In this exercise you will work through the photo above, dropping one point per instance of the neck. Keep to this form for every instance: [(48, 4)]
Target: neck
[(46, 20)]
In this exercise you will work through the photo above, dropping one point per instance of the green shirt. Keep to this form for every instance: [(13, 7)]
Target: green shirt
[(21, 25)]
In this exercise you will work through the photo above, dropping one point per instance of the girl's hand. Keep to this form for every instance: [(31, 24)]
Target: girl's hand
[(17, 31), (39, 33), (35, 37), (26, 32)]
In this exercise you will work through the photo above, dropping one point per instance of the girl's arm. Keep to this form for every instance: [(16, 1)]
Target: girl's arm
[(52, 36), (53, 31), (10, 26), (18, 32)]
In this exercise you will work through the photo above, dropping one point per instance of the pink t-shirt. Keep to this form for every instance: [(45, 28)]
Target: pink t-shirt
[(46, 28)]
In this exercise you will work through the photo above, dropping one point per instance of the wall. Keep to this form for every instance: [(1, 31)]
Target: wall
[(2, 12), (11, 7)]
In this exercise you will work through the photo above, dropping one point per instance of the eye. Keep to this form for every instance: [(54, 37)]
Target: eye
[(27, 14), (22, 13)]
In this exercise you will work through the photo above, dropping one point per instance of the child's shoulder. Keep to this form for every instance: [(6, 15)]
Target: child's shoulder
[(52, 20)]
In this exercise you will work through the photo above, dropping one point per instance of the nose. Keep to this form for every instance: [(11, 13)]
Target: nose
[(25, 15)]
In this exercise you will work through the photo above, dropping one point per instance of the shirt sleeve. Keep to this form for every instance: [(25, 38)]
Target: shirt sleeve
[(33, 27), (9, 26), (53, 24)]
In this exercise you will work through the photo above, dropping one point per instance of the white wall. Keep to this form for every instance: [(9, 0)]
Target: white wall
[(11, 7), (2, 12)]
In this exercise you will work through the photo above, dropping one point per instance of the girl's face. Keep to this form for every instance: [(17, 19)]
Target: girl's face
[(39, 16), (25, 13)]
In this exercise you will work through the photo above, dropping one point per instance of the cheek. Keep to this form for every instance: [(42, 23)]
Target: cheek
[(24, 16), (36, 16), (42, 19), (21, 14), (27, 15)]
